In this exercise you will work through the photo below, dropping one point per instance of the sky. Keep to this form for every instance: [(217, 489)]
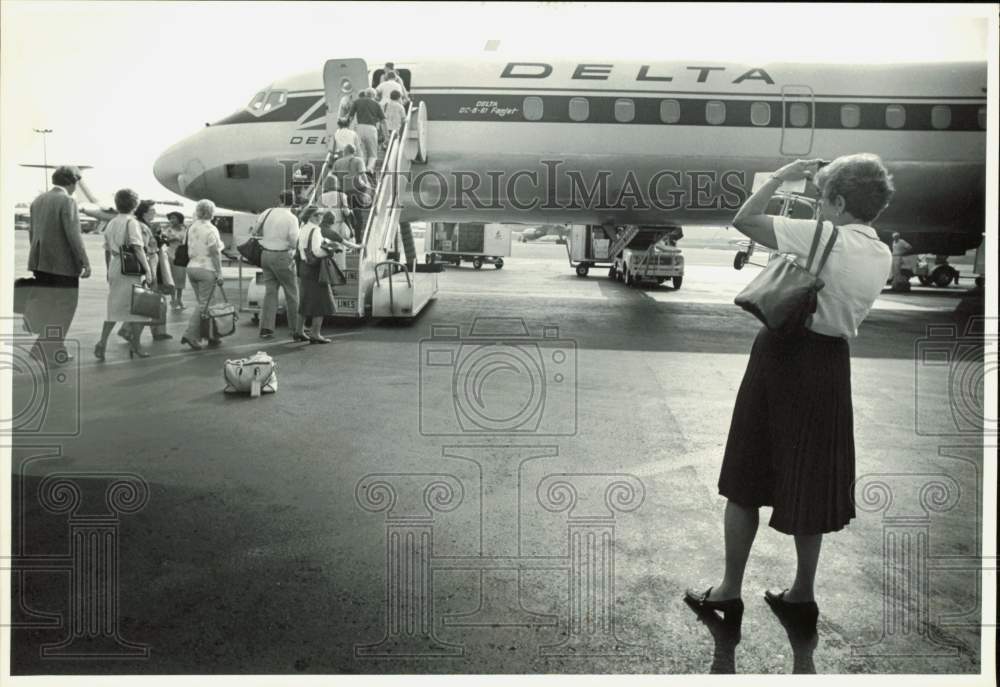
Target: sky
[(119, 82)]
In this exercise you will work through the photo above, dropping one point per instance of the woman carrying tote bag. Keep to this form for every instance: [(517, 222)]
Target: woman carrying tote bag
[(791, 439)]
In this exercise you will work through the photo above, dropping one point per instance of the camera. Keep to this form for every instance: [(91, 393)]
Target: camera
[(498, 379), (45, 393), (950, 372)]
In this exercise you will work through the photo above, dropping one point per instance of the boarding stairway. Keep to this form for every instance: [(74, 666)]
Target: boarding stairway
[(379, 284), (618, 245)]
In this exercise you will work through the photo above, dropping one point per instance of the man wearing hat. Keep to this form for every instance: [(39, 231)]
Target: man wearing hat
[(59, 260)]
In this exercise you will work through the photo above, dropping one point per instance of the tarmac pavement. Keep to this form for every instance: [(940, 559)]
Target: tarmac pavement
[(382, 514)]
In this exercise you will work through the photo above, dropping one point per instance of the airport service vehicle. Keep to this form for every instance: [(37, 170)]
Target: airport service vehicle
[(605, 142), (658, 261), (931, 269), (588, 247), (468, 242)]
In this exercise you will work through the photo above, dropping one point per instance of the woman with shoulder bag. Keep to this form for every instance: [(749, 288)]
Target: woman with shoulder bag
[(791, 439), (125, 257), (315, 298), (176, 236), (204, 268), (145, 213)]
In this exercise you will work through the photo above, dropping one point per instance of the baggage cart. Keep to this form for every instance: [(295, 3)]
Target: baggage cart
[(588, 246), (456, 243)]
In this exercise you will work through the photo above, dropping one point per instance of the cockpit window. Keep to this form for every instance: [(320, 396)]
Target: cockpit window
[(275, 100), (258, 102), (267, 101)]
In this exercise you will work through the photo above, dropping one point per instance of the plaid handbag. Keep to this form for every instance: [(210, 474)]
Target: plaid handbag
[(218, 320)]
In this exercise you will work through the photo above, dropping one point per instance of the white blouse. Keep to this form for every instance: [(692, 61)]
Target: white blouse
[(853, 277), (201, 237), (317, 241)]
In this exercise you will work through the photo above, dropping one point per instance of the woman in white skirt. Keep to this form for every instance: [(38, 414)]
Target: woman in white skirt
[(123, 233)]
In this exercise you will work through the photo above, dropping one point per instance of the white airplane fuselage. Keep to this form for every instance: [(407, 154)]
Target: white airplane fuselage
[(631, 143)]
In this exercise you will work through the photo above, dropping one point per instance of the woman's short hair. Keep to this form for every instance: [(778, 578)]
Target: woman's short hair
[(125, 200), (327, 219), (143, 207), (863, 181), (179, 216), (348, 149), (204, 209)]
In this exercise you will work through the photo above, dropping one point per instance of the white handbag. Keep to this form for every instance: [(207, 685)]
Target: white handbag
[(254, 375)]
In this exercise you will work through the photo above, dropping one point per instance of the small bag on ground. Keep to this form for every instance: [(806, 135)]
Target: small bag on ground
[(254, 375), (218, 320)]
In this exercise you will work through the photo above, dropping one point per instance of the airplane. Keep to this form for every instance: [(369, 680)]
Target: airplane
[(560, 231), (95, 213), (616, 142)]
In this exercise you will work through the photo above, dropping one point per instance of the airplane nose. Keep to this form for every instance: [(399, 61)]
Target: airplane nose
[(167, 169)]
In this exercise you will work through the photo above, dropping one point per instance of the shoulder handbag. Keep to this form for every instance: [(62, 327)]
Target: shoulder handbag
[(148, 303), (783, 295), (129, 260), (311, 258), (251, 250), (182, 255), (218, 320)]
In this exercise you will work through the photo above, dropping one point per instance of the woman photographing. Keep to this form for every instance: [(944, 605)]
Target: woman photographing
[(791, 439)]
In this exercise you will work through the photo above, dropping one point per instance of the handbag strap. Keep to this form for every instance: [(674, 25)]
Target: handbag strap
[(208, 301), (309, 243), (260, 227), (815, 244), (124, 248)]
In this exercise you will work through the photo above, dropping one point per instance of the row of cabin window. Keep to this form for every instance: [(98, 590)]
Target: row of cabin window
[(760, 113)]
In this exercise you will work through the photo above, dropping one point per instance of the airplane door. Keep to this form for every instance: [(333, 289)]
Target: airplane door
[(798, 120), (341, 79)]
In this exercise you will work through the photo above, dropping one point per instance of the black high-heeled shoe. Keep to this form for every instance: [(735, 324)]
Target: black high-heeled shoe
[(99, 351), (195, 346), (137, 353), (732, 609), (802, 613)]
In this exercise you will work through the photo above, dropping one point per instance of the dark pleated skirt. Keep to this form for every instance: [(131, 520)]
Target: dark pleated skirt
[(315, 299), (791, 440)]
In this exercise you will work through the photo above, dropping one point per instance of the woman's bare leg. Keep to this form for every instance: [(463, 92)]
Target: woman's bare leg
[(740, 529)]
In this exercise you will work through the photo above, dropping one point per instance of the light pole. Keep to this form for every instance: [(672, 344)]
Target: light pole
[(45, 156)]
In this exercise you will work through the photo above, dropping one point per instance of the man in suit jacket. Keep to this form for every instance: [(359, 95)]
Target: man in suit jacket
[(59, 260)]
